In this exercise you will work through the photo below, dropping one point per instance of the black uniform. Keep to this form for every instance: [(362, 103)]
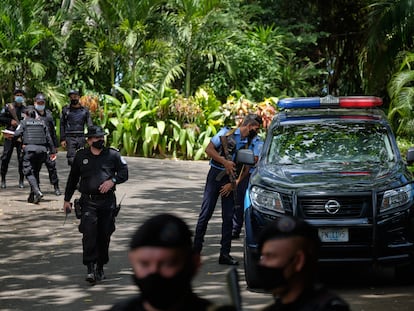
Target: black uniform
[(47, 118), (192, 303), (37, 143), (72, 127), (97, 220), (312, 300), (6, 117)]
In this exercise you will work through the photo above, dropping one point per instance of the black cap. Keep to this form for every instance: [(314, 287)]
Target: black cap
[(40, 97), (73, 92), (164, 230), (95, 131), (19, 91), (286, 227)]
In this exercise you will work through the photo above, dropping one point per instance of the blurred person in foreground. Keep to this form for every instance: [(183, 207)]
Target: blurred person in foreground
[(164, 264), (287, 268)]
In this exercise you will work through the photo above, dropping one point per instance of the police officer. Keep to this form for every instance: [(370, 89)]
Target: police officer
[(46, 115), (287, 268), (164, 265), (10, 116), (236, 139), (242, 183), (73, 120), (36, 143), (99, 169)]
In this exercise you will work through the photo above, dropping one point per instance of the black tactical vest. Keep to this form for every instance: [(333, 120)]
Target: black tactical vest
[(34, 133)]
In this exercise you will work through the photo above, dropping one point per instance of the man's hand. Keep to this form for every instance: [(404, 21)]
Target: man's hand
[(106, 186), (67, 207), (230, 167), (52, 157), (8, 136), (13, 122), (226, 190)]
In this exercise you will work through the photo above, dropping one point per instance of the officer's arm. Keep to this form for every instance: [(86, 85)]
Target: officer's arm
[(121, 170), (49, 140), (5, 119), (73, 179), (213, 153), (63, 125), (88, 118)]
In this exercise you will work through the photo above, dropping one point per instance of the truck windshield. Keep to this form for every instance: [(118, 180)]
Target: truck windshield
[(330, 142)]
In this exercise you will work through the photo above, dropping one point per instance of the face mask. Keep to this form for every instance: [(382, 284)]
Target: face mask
[(74, 102), (19, 99), (270, 278), (252, 134), (39, 107), (164, 293), (99, 144)]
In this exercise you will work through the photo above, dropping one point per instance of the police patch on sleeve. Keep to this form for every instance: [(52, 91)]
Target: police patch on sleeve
[(123, 160), (85, 161)]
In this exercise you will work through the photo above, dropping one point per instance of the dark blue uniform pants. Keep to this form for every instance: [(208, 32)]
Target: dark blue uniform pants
[(238, 218), (73, 143), (211, 195), (97, 225), (9, 145), (51, 168), (32, 163)]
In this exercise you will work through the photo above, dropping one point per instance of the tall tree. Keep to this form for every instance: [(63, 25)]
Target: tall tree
[(391, 31)]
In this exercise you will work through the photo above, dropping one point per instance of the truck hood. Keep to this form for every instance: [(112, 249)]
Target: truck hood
[(331, 175)]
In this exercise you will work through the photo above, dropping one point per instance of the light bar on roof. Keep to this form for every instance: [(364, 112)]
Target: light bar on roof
[(330, 101)]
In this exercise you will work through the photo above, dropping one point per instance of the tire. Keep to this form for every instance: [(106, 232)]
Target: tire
[(250, 273), (404, 274)]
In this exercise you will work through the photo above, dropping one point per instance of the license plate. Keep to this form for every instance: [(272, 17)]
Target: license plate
[(333, 234)]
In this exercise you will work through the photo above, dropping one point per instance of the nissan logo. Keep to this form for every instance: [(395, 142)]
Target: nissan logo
[(332, 207)]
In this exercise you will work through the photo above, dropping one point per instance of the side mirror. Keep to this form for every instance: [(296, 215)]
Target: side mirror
[(246, 156), (410, 156)]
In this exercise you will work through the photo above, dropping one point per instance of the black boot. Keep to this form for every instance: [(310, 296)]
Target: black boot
[(90, 276), (100, 275), (21, 182), (37, 197), (57, 190), (3, 182), (30, 199)]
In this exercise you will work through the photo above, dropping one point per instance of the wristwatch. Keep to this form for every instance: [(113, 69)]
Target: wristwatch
[(113, 180)]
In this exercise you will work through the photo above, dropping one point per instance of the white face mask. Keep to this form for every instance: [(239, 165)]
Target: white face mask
[(39, 107)]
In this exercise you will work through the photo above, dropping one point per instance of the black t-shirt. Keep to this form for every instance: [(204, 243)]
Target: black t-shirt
[(192, 303), (312, 300)]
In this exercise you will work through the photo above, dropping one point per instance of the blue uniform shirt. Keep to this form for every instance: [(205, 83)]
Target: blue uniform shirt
[(240, 142)]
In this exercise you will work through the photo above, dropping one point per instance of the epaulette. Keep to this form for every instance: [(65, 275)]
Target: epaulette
[(113, 148), (81, 148)]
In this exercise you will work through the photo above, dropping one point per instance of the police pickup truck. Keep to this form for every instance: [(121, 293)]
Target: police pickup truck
[(334, 161)]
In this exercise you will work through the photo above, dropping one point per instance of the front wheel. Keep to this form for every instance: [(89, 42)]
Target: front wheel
[(250, 272)]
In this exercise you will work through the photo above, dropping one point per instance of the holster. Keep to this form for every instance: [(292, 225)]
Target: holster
[(78, 209)]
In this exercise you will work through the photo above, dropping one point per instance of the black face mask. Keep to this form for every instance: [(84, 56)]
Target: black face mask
[(74, 102), (270, 278), (99, 144), (252, 134), (164, 293)]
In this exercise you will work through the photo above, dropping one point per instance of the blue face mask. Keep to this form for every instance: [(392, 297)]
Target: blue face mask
[(19, 99), (39, 107)]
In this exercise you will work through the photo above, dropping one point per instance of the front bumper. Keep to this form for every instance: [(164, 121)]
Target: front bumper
[(387, 241)]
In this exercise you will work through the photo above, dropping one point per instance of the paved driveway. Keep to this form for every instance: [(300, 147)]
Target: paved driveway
[(40, 259)]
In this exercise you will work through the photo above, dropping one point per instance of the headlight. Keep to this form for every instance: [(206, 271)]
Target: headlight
[(261, 199), (396, 197)]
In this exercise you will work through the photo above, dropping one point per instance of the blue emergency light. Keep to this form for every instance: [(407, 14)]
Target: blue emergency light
[(330, 101)]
